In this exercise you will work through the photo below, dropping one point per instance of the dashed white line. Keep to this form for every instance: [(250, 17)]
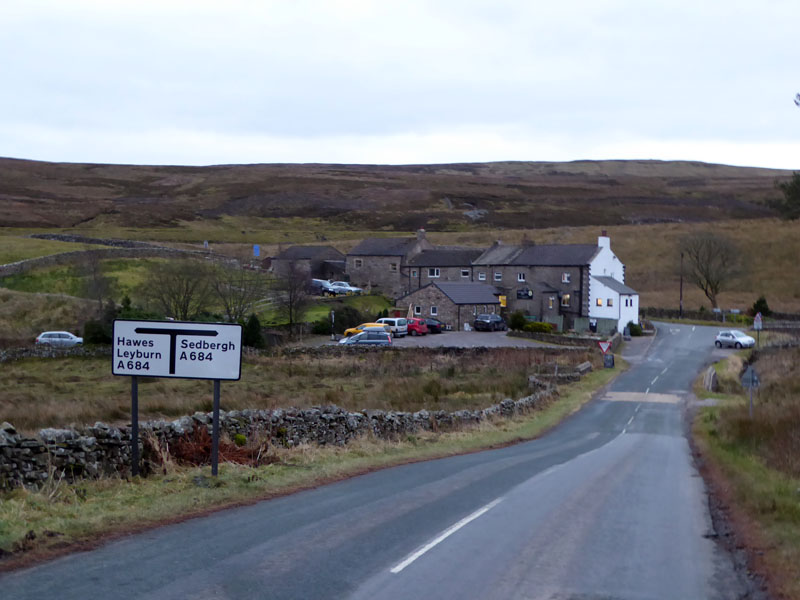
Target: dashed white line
[(647, 391), (445, 534), (654, 380), (629, 421), (664, 371)]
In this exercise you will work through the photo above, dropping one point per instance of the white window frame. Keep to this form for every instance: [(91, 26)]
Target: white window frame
[(521, 277), (358, 263), (434, 311), (417, 310), (498, 276), (465, 273), (566, 277), (433, 272), (481, 276)]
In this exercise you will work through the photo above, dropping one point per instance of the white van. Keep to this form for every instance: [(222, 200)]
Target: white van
[(397, 326)]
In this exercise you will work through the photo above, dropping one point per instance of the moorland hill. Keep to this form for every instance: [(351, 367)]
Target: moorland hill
[(450, 197)]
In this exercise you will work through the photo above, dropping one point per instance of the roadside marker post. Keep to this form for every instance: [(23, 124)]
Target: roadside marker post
[(758, 325), (750, 380), (176, 349)]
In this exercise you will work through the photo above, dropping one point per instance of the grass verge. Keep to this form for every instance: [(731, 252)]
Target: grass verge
[(61, 517), (759, 493)]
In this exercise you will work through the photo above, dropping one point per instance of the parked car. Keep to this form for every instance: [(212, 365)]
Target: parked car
[(489, 322), (321, 287), (397, 325), (368, 338), (417, 326), (435, 325), (60, 339), (734, 339), (366, 327), (344, 288)]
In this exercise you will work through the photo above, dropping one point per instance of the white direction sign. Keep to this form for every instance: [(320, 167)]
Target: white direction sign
[(177, 349)]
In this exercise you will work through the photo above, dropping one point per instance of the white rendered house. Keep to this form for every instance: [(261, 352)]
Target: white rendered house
[(609, 297)]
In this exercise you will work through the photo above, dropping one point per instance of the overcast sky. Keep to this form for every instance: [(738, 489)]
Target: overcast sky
[(437, 81)]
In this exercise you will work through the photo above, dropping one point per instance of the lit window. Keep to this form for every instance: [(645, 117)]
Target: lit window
[(610, 302), (565, 300), (417, 310), (520, 276), (481, 276), (551, 302), (599, 302), (565, 278), (358, 263), (433, 272), (434, 310), (465, 272), (498, 276)]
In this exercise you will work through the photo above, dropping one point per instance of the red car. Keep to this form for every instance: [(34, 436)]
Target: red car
[(417, 326)]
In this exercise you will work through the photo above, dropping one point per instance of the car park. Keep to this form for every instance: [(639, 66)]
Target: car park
[(489, 322), (58, 339), (734, 339), (435, 325), (368, 338), (365, 327), (417, 326), (344, 288), (397, 325)]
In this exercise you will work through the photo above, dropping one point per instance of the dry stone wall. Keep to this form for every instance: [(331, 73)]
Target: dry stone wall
[(105, 450)]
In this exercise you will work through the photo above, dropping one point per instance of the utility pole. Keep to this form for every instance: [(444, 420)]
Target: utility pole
[(680, 312)]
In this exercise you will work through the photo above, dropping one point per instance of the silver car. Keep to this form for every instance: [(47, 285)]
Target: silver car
[(733, 339), (59, 339)]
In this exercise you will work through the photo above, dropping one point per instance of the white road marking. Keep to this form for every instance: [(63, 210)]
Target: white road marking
[(664, 371), (654, 380), (647, 391), (445, 534), (629, 421), (694, 327)]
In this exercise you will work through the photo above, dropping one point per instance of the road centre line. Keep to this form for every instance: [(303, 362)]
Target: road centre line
[(647, 391), (445, 534), (654, 380), (664, 371)]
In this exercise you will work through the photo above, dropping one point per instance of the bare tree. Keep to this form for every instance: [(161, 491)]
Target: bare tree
[(713, 261), (238, 290), (180, 288), (292, 293), (97, 285)]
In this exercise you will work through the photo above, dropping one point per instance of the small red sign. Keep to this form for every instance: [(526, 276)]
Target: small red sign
[(604, 346)]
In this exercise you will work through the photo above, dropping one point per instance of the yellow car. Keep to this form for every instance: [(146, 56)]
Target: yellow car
[(365, 327)]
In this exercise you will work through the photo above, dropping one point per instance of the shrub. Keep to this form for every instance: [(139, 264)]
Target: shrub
[(760, 306), (95, 332), (517, 321), (634, 329), (538, 327), (251, 333), (321, 327)]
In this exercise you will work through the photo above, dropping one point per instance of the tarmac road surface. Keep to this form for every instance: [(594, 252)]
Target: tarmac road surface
[(606, 506)]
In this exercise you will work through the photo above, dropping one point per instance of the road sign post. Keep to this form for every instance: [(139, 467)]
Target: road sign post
[(608, 359), (758, 325), (176, 349), (750, 380)]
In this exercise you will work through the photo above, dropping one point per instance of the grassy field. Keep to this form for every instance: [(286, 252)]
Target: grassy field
[(91, 509), (17, 247), (754, 464), (23, 316), (58, 392)]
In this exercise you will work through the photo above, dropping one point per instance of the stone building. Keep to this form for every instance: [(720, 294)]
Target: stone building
[(441, 264), (319, 262), (453, 303), (379, 264)]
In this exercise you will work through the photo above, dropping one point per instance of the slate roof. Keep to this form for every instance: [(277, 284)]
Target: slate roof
[(308, 253), (560, 255), (615, 285), (383, 247), (469, 293), (446, 257), (499, 254)]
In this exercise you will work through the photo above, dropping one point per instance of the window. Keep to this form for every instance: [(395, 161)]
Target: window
[(393, 267), (565, 278), (434, 311), (465, 272), (551, 302), (599, 302), (610, 302), (433, 272), (413, 272), (358, 263), (481, 276), (565, 300), (417, 310), (520, 276), (498, 276)]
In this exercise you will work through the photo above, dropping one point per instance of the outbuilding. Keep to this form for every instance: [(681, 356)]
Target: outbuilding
[(455, 304)]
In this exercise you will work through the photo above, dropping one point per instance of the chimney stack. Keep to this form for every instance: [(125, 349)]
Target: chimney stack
[(420, 234), (604, 241)]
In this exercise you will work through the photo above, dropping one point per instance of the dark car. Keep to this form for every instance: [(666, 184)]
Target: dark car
[(368, 338), (435, 325), (489, 322)]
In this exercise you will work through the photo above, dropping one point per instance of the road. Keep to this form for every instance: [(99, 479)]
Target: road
[(606, 506)]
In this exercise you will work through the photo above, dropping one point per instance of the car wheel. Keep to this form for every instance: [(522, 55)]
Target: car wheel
[(737, 345), (413, 333), (718, 344)]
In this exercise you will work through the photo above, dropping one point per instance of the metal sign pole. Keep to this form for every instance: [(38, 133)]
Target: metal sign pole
[(751, 401), (134, 426), (215, 431)]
